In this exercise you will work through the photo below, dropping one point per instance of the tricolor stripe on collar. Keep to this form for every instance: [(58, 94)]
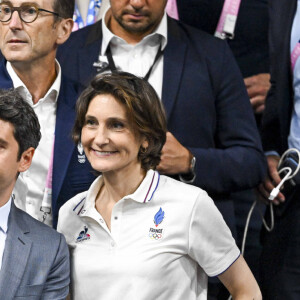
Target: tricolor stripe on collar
[(153, 187), (78, 205), (145, 192)]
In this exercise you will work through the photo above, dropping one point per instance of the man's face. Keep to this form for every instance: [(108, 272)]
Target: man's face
[(28, 42), (9, 164), (138, 17)]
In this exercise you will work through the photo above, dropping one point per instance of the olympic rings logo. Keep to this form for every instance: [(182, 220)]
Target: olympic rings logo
[(155, 236)]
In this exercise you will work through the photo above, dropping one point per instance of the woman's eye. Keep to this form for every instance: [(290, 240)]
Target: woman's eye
[(90, 122), (117, 125)]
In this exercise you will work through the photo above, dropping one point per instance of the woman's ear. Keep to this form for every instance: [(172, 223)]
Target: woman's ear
[(65, 27), (145, 144), (26, 159)]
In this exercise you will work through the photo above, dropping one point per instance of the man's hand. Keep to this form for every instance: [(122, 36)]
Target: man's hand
[(257, 88), (175, 158), (272, 180)]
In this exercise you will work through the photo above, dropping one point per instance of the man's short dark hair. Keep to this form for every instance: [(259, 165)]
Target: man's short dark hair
[(14, 110), (143, 108), (65, 8)]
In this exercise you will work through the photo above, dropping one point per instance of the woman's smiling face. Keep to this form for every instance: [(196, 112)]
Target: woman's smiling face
[(109, 140)]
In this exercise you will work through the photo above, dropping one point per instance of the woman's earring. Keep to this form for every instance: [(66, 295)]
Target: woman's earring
[(143, 150)]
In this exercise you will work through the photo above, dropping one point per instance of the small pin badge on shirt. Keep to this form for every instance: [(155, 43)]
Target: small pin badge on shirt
[(83, 235), (102, 64), (81, 155)]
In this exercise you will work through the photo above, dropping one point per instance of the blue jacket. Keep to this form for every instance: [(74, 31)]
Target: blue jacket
[(70, 177)]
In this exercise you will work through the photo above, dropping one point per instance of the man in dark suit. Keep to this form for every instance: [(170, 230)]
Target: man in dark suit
[(34, 258), (280, 260), (28, 43), (248, 44), (212, 140), (251, 52)]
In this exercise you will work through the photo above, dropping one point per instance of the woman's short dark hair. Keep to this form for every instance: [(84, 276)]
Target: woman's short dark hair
[(14, 110), (65, 8), (143, 107)]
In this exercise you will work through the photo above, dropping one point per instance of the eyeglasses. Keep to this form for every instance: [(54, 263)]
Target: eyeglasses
[(27, 13)]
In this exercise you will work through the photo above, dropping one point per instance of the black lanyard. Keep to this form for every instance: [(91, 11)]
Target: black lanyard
[(112, 66)]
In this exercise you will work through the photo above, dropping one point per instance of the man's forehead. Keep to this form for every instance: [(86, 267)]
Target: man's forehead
[(6, 131), (39, 3)]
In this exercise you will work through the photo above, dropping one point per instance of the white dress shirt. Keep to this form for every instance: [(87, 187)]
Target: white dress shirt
[(137, 59), (30, 186), (4, 213)]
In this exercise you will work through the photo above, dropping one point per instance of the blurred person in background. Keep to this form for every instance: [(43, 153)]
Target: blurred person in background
[(280, 260)]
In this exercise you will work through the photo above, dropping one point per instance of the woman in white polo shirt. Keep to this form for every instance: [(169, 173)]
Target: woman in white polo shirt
[(136, 234)]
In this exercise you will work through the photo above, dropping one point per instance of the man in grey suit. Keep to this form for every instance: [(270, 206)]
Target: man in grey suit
[(34, 259)]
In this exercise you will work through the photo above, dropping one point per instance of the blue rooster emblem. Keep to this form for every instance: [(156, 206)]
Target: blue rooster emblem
[(159, 217)]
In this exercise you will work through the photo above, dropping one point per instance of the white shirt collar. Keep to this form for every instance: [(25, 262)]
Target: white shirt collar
[(161, 30), (4, 213), (143, 194), (19, 85)]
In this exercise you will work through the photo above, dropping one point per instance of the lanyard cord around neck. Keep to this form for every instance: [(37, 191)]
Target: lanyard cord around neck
[(113, 68)]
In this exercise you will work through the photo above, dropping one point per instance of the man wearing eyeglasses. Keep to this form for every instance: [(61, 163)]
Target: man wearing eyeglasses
[(30, 33)]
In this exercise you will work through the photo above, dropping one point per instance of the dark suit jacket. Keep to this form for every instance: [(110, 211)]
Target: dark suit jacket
[(69, 176), (207, 106), (249, 45), (279, 104), (35, 261)]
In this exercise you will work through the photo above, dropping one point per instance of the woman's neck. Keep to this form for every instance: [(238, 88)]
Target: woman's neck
[(119, 184), (116, 185)]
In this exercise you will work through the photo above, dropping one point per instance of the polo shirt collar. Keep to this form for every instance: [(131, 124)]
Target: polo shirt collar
[(4, 213), (161, 31), (143, 194)]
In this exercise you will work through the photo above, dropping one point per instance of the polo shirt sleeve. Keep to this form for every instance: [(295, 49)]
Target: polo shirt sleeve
[(210, 240)]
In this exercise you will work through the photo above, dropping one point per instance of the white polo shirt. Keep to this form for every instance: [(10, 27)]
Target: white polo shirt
[(164, 239)]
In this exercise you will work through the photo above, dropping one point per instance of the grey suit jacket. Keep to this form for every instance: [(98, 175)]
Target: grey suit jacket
[(35, 261)]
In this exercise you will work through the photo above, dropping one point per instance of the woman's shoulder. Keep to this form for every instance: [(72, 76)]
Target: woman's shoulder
[(69, 214), (180, 190), (73, 204), (76, 203), (179, 185)]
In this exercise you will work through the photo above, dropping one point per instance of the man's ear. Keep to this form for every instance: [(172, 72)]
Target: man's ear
[(65, 27), (26, 159)]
